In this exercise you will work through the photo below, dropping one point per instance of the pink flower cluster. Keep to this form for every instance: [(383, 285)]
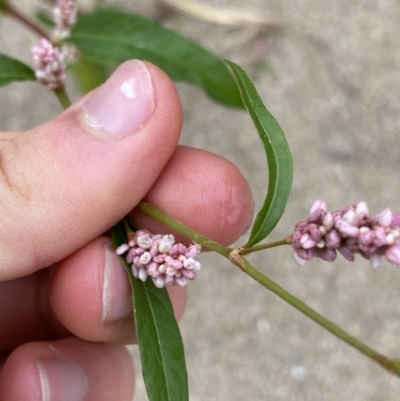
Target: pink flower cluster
[(49, 63), (348, 231), (159, 257), (64, 12)]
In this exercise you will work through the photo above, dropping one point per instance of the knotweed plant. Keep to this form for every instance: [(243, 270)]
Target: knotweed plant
[(349, 231), (100, 40), (159, 257)]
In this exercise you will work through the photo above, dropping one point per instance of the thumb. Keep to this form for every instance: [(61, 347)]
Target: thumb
[(69, 180)]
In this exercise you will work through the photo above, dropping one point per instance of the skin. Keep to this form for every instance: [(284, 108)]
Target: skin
[(61, 189)]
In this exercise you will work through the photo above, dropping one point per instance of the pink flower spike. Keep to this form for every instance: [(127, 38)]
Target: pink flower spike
[(146, 259), (49, 65), (64, 13)]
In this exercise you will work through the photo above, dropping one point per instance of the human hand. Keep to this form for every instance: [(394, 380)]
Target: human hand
[(65, 301)]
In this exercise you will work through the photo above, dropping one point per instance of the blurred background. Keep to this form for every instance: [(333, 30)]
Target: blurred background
[(329, 73)]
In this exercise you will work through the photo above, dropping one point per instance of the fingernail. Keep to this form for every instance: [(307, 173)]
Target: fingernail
[(62, 379), (124, 103), (117, 297)]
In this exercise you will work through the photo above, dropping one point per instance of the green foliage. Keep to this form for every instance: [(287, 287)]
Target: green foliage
[(89, 74), (12, 70), (279, 158), (45, 18), (160, 342), (111, 36)]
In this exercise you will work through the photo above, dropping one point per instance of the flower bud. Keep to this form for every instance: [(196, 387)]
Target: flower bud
[(144, 240), (153, 269), (166, 243), (327, 254), (142, 274), (346, 253), (159, 282), (392, 254), (177, 248), (145, 258), (193, 251), (181, 281), (332, 239), (384, 218), (122, 249)]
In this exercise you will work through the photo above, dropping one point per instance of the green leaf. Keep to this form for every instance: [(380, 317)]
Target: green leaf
[(89, 74), (45, 18), (112, 36), (279, 158), (13, 70), (160, 342)]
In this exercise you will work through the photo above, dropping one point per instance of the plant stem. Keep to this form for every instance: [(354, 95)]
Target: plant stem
[(182, 229), (63, 97), (15, 13), (390, 365), (256, 248), (235, 256)]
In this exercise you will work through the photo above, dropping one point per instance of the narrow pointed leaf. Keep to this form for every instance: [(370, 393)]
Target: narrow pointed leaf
[(12, 70), (112, 36), (279, 158), (159, 338)]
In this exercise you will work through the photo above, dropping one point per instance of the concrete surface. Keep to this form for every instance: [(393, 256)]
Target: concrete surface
[(333, 84)]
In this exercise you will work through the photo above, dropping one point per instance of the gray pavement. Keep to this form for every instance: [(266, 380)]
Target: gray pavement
[(333, 84)]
